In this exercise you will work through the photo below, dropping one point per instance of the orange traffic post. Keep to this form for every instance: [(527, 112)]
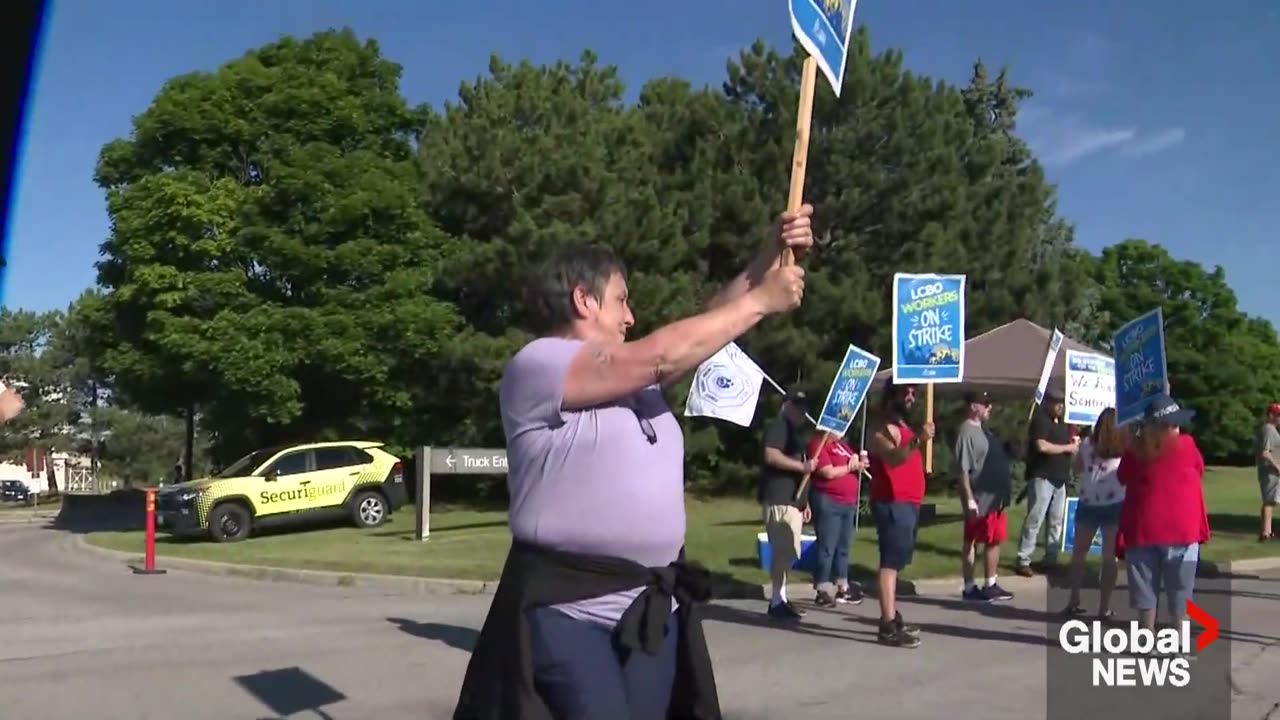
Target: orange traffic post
[(149, 556)]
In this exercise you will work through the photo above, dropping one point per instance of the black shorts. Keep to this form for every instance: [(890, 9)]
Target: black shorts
[(896, 525)]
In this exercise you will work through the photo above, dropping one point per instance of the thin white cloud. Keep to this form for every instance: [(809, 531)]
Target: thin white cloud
[(1063, 139), (1158, 142)]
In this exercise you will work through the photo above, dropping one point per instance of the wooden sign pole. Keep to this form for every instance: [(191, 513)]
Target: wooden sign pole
[(799, 162), (928, 417), (800, 153)]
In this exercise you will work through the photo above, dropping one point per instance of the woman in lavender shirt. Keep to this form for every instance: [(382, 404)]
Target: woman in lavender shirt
[(596, 457)]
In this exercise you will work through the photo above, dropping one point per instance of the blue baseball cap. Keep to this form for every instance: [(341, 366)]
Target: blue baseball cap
[(1164, 409)]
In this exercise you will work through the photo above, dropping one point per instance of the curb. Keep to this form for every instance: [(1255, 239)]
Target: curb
[(400, 584), (926, 587), (723, 590)]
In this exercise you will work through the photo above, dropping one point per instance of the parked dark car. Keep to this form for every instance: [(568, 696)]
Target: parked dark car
[(14, 491)]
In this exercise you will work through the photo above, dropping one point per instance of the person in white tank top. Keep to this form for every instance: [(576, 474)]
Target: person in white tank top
[(1101, 497)]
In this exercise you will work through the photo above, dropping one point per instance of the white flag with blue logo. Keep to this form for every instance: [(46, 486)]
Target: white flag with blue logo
[(726, 386)]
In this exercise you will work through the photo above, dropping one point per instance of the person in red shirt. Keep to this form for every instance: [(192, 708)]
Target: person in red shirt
[(1163, 519), (834, 501), (897, 489)]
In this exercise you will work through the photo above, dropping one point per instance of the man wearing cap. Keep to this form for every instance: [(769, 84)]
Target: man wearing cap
[(1268, 461), (784, 466), (986, 486), (1050, 447)]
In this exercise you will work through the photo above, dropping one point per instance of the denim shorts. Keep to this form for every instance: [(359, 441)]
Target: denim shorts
[(896, 524), (1156, 567), (1099, 516)]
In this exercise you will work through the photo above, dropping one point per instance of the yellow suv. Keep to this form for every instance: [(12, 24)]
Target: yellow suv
[(287, 485)]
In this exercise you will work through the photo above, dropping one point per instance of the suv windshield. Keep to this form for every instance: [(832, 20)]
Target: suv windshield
[(248, 463)]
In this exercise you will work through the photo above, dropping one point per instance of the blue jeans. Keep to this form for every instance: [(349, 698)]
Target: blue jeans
[(833, 522), (580, 674), (897, 526), (1045, 503), (1171, 568)]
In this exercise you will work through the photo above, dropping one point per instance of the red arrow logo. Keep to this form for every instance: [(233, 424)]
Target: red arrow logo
[(1209, 622)]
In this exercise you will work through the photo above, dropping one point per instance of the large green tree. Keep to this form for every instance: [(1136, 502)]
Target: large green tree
[(298, 254), (269, 259), (70, 406), (1219, 359), (26, 362), (906, 174)]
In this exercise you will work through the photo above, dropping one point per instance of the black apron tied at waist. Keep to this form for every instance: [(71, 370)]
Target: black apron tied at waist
[(643, 624), (499, 681)]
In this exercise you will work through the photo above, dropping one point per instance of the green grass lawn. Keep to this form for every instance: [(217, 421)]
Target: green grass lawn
[(471, 544)]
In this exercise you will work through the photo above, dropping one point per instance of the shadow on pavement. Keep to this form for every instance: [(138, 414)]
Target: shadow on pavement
[(962, 632), (455, 636), (290, 690), (757, 618), (995, 610), (1241, 594)]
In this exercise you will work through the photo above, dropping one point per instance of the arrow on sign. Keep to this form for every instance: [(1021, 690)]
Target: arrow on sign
[(1209, 622), (448, 460)]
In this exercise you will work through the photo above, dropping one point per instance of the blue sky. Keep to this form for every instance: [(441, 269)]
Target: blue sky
[(1156, 119)]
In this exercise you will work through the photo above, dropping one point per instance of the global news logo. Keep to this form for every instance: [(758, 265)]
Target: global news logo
[(1134, 656)]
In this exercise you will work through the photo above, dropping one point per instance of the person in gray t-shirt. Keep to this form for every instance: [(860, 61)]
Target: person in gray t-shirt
[(986, 487), (1267, 453)]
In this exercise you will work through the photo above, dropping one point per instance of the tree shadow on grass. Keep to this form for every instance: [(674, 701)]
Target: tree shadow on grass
[(936, 549), (739, 523), (1234, 523), (411, 534)]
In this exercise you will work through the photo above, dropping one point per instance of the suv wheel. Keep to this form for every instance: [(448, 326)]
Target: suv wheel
[(229, 523), (370, 510)]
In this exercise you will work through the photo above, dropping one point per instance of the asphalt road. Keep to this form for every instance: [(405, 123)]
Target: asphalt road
[(81, 637)]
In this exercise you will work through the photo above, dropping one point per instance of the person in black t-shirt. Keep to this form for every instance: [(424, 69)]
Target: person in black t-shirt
[(782, 469), (1050, 447)]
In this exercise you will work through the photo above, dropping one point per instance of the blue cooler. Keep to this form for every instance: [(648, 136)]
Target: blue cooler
[(808, 559)]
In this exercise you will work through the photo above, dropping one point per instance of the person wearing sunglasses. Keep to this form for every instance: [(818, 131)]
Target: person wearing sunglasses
[(596, 612), (897, 489)]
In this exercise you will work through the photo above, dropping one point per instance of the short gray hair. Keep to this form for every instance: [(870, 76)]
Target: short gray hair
[(550, 292)]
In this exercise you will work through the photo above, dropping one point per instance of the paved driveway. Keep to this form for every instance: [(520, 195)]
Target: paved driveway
[(84, 638)]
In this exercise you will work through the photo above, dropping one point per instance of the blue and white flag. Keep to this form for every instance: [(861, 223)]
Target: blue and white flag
[(726, 386)]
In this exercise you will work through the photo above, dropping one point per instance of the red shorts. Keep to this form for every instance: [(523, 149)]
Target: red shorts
[(989, 529)]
